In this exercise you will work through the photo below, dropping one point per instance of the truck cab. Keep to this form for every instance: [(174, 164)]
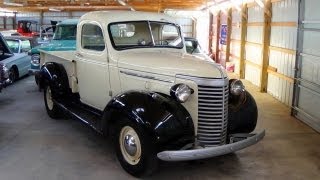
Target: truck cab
[(131, 78), (64, 39)]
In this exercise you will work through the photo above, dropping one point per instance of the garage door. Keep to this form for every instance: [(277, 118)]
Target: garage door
[(307, 89)]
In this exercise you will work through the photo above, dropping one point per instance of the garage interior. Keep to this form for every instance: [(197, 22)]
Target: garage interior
[(271, 45)]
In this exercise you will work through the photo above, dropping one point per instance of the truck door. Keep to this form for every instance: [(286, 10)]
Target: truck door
[(92, 65)]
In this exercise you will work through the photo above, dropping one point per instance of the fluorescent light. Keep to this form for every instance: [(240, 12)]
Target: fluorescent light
[(260, 3), (12, 4), (122, 2), (54, 9)]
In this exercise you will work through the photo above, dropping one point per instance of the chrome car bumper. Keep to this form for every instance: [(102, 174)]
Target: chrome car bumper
[(194, 154), (33, 71)]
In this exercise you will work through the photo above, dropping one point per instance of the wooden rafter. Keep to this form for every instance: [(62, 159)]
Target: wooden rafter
[(74, 5)]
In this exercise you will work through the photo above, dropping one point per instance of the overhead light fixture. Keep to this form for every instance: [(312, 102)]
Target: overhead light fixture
[(122, 3), (54, 9), (126, 5), (12, 4), (260, 3)]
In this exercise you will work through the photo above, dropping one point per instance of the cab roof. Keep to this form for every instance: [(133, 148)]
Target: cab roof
[(118, 16)]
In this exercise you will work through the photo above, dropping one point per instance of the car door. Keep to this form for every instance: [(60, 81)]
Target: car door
[(92, 65), (25, 58)]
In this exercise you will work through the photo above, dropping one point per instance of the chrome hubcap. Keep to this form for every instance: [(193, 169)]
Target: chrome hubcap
[(130, 145)]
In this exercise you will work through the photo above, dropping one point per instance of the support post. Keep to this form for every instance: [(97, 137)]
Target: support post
[(5, 22), (244, 21), (229, 25), (265, 45), (210, 32), (14, 21), (217, 59)]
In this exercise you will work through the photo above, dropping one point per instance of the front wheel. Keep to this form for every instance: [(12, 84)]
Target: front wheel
[(51, 107), (135, 150), (13, 75)]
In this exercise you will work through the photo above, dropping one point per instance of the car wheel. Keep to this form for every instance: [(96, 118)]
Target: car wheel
[(134, 149), (13, 74), (51, 107)]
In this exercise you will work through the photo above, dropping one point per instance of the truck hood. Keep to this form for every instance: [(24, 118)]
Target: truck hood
[(56, 45), (171, 64)]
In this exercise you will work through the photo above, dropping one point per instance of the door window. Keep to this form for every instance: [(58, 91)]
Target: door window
[(92, 37)]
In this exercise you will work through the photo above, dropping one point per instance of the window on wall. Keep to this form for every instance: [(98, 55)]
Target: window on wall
[(92, 37)]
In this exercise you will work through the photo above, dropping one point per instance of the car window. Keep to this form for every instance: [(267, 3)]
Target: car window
[(13, 45), (65, 32), (25, 45), (92, 37), (145, 34)]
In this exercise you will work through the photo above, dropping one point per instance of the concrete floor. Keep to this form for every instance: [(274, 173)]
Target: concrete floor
[(35, 147)]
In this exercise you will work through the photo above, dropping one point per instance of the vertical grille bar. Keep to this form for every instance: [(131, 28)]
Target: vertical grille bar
[(212, 113)]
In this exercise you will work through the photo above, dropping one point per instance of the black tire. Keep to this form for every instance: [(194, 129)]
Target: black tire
[(53, 110), (13, 74), (148, 161)]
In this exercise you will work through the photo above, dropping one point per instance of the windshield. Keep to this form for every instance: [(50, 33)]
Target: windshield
[(13, 45), (144, 34), (65, 32)]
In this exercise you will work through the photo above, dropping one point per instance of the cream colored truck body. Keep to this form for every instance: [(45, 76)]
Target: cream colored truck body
[(99, 76)]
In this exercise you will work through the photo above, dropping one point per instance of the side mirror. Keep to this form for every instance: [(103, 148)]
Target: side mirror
[(194, 44)]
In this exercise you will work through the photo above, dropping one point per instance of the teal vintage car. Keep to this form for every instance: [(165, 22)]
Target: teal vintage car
[(64, 39), (14, 55)]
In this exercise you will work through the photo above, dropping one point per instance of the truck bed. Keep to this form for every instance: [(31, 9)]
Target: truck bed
[(65, 58)]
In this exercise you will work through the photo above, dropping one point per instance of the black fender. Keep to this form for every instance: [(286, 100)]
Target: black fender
[(243, 113), (165, 120), (54, 75)]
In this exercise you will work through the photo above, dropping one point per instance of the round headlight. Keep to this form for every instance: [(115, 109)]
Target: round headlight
[(35, 59), (181, 92), (236, 87)]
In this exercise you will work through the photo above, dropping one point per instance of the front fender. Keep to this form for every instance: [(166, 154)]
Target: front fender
[(54, 75), (243, 114), (165, 120)]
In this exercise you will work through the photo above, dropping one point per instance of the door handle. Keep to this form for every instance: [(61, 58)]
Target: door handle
[(79, 55)]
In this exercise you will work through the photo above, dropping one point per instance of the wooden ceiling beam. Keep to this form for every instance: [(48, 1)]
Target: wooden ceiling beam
[(91, 5)]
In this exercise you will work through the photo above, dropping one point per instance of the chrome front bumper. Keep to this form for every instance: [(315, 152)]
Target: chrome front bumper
[(33, 71), (194, 154)]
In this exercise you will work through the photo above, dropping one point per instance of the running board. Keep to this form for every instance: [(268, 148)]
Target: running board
[(81, 112)]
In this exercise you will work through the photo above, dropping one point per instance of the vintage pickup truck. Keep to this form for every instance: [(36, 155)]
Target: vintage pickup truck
[(132, 79)]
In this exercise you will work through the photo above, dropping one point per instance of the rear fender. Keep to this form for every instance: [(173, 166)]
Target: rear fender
[(54, 75)]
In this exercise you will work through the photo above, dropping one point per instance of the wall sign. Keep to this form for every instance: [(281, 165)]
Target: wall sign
[(223, 34)]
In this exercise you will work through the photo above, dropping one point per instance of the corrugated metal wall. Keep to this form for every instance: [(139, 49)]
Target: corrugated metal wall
[(187, 26), (284, 37), (202, 31), (253, 49), (235, 40)]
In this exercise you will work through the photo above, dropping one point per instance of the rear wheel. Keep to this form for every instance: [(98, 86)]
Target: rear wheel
[(135, 150), (51, 107)]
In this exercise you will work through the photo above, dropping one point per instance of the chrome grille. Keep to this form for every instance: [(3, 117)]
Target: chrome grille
[(212, 113)]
